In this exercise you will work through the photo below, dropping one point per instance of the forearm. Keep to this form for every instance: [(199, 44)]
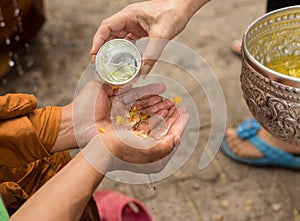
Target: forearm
[(190, 7), (65, 139), (63, 197)]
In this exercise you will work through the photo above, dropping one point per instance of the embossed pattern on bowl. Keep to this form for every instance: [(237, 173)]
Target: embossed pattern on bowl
[(273, 98)]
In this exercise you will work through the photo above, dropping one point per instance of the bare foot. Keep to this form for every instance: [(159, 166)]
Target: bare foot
[(236, 46), (241, 147), (244, 148)]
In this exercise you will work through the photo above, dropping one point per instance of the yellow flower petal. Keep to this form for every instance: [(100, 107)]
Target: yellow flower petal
[(102, 130)]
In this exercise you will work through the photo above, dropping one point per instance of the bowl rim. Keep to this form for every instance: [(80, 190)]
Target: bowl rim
[(138, 66), (256, 62)]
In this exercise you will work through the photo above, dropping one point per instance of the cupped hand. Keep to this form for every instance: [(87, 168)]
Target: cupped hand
[(145, 148), (92, 107)]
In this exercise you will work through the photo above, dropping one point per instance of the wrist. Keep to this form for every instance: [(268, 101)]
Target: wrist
[(98, 155), (93, 173), (189, 7)]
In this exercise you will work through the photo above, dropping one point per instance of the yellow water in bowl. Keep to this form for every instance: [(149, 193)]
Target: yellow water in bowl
[(288, 65)]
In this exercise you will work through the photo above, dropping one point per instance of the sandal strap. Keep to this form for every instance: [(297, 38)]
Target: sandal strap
[(269, 151), (248, 129)]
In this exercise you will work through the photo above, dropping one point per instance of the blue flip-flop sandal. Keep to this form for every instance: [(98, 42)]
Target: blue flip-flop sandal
[(272, 156)]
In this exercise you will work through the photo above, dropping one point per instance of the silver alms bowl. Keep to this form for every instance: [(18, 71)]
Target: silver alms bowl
[(273, 98)]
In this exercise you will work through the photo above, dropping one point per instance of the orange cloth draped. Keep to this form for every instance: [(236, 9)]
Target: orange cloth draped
[(26, 137)]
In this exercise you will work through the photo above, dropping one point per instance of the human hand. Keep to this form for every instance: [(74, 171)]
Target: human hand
[(92, 107), (160, 20), (122, 149)]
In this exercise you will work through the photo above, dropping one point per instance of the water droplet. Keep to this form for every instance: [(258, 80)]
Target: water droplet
[(27, 47), (11, 63), (7, 41), (17, 38), (4, 81), (151, 186), (2, 24), (16, 56), (17, 12), (29, 62), (10, 54), (20, 70), (20, 29)]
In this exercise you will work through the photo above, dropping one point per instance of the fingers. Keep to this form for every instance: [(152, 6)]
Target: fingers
[(158, 115), (109, 90), (172, 139), (164, 148), (161, 129), (139, 92), (171, 111), (121, 25), (180, 124), (171, 125), (178, 111), (166, 104), (152, 122), (165, 116), (162, 121), (152, 53), (131, 37), (109, 27), (101, 36), (147, 101), (125, 88)]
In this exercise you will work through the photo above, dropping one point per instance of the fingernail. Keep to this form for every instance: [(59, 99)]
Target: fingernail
[(145, 70), (176, 141)]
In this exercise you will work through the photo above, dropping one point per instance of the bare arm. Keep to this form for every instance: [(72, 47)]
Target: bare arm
[(63, 197)]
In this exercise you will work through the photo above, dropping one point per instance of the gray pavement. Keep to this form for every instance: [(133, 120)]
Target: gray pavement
[(225, 190)]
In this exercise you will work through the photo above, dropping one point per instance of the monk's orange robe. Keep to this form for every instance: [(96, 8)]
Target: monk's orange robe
[(27, 135)]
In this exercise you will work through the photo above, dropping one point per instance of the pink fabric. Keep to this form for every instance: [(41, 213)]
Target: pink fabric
[(114, 206)]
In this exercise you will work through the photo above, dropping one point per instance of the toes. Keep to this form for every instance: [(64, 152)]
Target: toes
[(241, 147), (233, 140), (231, 134)]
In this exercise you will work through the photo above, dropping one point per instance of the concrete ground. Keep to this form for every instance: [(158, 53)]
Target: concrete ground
[(225, 190)]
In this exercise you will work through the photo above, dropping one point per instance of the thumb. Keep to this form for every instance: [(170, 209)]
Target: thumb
[(152, 53)]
